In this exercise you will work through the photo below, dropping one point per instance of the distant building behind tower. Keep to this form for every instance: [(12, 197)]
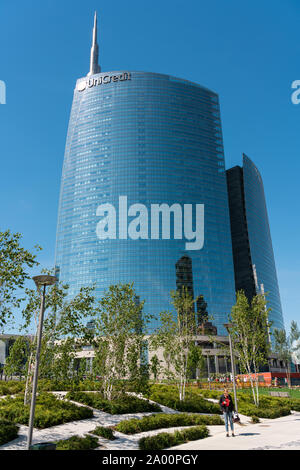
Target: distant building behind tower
[(254, 263)]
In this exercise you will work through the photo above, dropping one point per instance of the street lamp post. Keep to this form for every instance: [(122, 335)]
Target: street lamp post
[(227, 326), (40, 282), (208, 370)]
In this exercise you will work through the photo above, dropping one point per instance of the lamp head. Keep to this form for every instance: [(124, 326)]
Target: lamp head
[(227, 325), (44, 280)]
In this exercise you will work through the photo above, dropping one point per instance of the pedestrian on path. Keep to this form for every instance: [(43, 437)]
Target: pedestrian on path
[(227, 408)]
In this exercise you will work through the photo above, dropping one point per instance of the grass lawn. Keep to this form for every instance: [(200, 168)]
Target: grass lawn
[(294, 393), (269, 407)]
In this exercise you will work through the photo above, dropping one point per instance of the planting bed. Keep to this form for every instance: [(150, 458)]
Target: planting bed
[(164, 440), (193, 402), (160, 421), (120, 405), (49, 411)]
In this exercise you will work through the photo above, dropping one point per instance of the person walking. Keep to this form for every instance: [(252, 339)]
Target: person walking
[(227, 407)]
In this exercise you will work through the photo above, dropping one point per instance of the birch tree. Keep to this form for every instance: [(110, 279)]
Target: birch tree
[(18, 356), (286, 346), (249, 328), (155, 367), (64, 330), (176, 337), (295, 343), (119, 338)]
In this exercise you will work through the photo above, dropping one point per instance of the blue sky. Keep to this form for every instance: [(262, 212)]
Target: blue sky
[(248, 52)]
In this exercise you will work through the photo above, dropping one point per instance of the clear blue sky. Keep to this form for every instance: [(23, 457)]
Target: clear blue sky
[(248, 52)]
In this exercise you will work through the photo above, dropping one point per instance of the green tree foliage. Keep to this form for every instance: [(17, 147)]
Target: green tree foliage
[(155, 367), (295, 332), (15, 263), (64, 331), (195, 360), (249, 331), (176, 338), (286, 346), (295, 343), (18, 357), (120, 347)]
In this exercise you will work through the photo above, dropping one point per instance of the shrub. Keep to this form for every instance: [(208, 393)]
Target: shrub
[(11, 387), (260, 412), (8, 431), (255, 419), (120, 405), (47, 385), (148, 423), (293, 403), (78, 443), (164, 440), (269, 407), (104, 432), (209, 393), (49, 411), (193, 402), (81, 397), (68, 385)]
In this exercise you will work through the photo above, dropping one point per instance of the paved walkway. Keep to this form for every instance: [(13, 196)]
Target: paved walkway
[(271, 434)]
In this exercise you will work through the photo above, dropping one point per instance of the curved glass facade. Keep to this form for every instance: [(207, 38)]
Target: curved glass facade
[(153, 139), (260, 241)]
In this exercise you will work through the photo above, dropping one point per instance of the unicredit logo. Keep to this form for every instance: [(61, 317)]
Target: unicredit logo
[(103, 80)]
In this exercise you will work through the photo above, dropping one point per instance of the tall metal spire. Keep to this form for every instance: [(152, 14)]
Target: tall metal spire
[(94, 66)]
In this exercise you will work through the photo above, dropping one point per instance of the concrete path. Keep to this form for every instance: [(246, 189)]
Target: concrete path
[(271, 434)]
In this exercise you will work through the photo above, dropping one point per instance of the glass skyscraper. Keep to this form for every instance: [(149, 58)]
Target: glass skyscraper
[(139, 140), (255, 270)]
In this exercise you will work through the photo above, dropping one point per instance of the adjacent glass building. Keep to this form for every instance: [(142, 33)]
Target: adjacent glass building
[(153, 139), (254, 263)]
